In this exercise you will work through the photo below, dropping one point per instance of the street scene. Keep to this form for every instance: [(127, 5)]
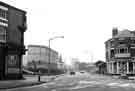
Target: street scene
[(67, 45), (82, 82)]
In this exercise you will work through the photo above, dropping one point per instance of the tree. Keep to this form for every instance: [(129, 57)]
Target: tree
[(34, 65)]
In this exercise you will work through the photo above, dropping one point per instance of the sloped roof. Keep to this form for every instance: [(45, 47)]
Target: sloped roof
[(125, 33)]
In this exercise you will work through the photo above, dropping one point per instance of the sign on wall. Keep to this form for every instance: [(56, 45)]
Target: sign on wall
[(13, 64)]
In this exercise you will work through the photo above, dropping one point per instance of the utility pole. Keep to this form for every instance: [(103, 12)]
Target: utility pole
[(49, 51)]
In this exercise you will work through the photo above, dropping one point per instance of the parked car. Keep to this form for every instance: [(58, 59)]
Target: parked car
[(72, 73), (82, 72)]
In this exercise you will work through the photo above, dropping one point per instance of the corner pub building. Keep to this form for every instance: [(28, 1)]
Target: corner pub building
[(120, 52), (12, 28)]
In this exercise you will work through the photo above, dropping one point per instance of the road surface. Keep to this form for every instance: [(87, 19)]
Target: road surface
[(82, 82)]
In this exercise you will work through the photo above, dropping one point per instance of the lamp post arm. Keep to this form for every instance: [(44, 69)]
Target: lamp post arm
[(56, 37)]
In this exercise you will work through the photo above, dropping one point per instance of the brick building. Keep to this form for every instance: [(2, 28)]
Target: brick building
[(39, 54), (120, 52), (12, 28)]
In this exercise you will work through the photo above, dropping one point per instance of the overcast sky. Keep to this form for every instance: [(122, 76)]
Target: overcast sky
[(85, 24)]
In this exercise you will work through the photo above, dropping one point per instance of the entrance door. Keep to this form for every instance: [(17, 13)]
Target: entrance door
[(130, 67)]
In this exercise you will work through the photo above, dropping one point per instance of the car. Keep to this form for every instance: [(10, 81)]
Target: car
[(72, 73), (81, 72)]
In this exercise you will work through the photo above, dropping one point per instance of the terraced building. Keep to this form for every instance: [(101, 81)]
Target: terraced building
[(120, 52)]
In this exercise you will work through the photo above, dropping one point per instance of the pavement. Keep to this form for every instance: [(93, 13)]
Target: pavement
[(29, 80)]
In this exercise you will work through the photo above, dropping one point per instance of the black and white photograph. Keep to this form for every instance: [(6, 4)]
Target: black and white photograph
[(67, 45)]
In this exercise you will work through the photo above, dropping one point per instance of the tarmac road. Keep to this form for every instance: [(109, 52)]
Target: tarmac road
[(82, 82)]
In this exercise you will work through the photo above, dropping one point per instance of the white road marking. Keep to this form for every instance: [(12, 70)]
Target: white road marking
[(88, 82), (125, 85), (51, 83), (113, 84)]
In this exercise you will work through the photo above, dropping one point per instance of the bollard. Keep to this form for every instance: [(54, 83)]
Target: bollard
[(39, 76)]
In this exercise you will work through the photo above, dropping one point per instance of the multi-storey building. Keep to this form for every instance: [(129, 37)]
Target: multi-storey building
[(120, 52), (40, 55), (12, 28)]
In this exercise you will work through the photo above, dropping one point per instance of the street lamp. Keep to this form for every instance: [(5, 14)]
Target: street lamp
[(50, 50)]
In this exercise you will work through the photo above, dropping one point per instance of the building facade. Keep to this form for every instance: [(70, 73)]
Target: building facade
[(12, 28), (61, 65), (40, 55), (120, 52)]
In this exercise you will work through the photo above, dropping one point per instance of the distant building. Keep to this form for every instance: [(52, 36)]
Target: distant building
[(101, 67), (12, 28), (120, 52), (61, 65), (39, 54), (75, 64)]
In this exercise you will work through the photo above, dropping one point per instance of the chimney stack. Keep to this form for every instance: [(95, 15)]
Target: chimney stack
[(114, 31)]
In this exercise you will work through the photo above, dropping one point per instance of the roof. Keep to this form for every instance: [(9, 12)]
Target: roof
[(124, 33), (7, 5), (99, 63), (42, 46)]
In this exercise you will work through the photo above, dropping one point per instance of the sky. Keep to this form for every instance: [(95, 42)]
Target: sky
[(85, 24)]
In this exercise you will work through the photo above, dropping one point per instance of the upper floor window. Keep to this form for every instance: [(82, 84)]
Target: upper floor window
[(112, 43), (3, 14), (2, 34), (121, 42), (112, 53), (122, 50)]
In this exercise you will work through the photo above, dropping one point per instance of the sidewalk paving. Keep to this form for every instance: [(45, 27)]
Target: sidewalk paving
[(28, 81), (131, 79)]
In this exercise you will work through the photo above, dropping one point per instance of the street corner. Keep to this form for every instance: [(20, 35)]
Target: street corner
[(15, 84)]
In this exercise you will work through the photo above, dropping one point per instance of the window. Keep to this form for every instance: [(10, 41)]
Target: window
[(121, 50), (2, 34), (112, 43), (121, 42), (3, 14), (112, 53)]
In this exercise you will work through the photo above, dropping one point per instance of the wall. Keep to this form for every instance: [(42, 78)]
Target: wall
[(15, 19)]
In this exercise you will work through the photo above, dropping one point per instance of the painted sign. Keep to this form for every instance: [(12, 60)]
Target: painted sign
[(13, 64)]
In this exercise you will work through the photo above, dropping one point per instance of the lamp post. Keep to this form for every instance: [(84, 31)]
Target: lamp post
[(50, 50)]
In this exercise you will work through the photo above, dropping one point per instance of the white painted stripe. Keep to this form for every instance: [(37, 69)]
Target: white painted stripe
[(51, 83), (3, 7), (125, 85), (78, 87), (113, 84), (88, 82)]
